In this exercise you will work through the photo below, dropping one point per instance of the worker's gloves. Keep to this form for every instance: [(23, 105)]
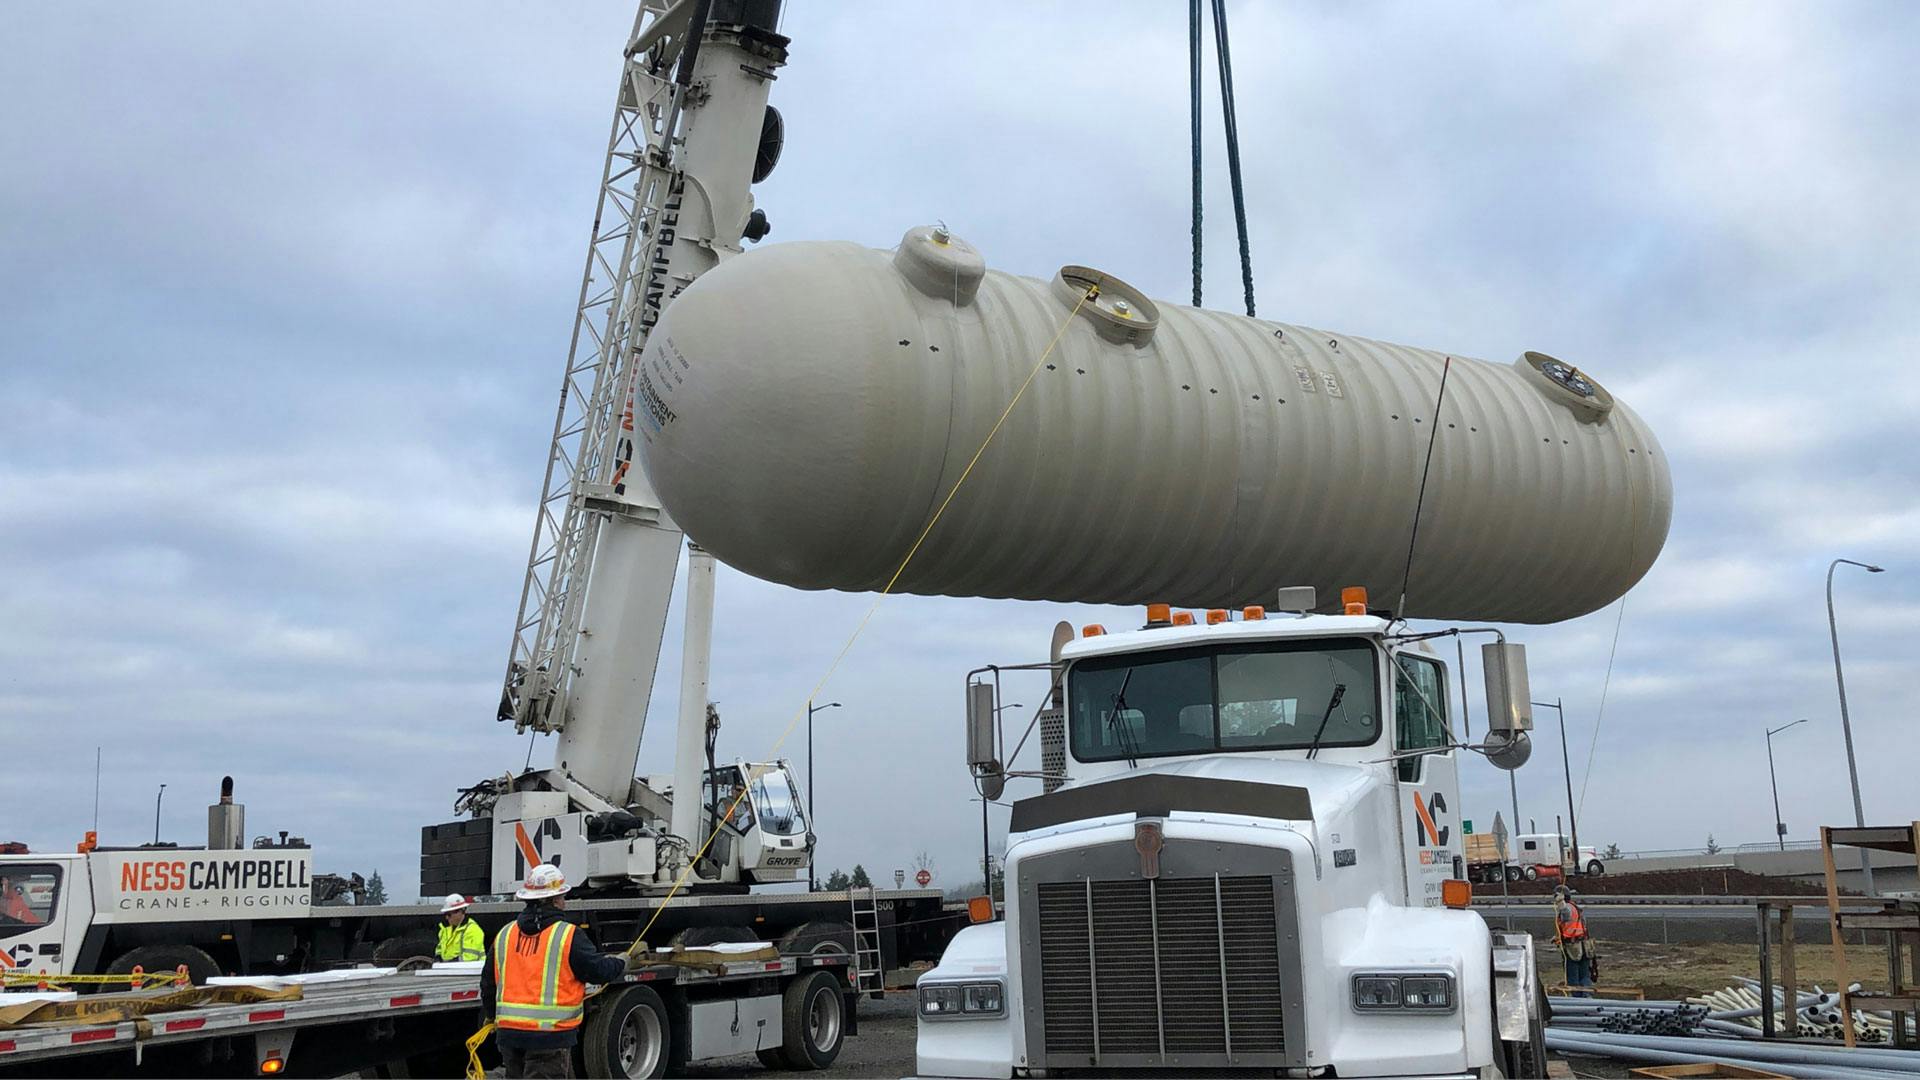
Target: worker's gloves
[(637, 960)]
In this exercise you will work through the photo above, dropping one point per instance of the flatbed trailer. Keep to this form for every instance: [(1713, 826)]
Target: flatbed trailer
[(791, 1010)]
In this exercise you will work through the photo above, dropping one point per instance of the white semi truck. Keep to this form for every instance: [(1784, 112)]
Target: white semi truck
[(1248, 857)]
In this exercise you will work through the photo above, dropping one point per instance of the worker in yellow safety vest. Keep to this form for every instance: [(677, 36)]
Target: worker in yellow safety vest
[(460, 937), (534, 983)]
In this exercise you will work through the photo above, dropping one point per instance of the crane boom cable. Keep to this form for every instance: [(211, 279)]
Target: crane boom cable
[(1224, 53), (1193, 97), (860, 627)]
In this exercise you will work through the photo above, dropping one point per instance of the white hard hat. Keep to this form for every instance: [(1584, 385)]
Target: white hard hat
[(455, 902), (544, 882)]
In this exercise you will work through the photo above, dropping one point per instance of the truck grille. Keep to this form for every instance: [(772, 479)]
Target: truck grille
[(1165, 967)]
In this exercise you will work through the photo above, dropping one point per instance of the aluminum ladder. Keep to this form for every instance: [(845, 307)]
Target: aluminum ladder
[(869, 968)]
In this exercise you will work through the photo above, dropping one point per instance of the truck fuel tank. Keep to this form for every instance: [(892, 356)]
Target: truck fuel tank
[(806, 408)]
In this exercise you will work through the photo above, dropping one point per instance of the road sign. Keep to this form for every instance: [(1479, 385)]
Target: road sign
[(899, 878), (1466, 826), (923, 878)]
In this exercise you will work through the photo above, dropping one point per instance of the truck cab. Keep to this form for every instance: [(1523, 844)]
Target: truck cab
[(45, 907), (1248, 856)]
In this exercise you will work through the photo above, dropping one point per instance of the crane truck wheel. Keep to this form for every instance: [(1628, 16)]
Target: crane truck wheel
[(821, 937), (628, 1036), (154, 959), (694, 936), (812, 1022)]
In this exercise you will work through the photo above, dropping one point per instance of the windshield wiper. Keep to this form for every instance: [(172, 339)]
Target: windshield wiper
[(1120, 728), (1339, 691)]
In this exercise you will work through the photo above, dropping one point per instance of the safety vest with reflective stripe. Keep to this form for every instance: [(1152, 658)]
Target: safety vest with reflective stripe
[(537, 988), (1572, 925), (464, 942)]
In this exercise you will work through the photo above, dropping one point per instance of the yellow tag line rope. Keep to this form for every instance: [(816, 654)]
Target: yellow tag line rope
[(1092, 291)]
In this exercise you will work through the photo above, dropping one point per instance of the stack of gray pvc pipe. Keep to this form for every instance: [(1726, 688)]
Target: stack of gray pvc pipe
[(1791, 1059)]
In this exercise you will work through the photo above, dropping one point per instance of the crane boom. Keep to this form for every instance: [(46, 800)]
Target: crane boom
[(673, 201)]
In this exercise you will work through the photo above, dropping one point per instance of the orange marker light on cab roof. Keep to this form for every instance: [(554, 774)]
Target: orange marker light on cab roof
[(980, 909), (1353, 600), (1092, 630), (1456, 893), (1183, 618), (1253, 612), (1159, 614), (1216, 616)]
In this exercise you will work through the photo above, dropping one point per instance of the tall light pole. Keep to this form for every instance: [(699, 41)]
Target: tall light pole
[(813, 879), (1566, 766), (1779, 827), (156, 813), (1846, 728), (986, 837)]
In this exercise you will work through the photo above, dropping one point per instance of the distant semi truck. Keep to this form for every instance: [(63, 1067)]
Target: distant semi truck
[(1534, 855)]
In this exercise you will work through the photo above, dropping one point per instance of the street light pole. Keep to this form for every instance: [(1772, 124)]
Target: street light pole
[(1846, 727), (813, 878), (1566, 766), (1779, 827), (156, 813)]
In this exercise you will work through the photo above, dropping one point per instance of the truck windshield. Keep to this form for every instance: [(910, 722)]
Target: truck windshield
[(779, 803), (29, 895), (1271, 695)]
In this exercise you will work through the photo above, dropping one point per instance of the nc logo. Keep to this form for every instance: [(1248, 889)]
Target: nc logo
[(530, 850), (1426, 817)]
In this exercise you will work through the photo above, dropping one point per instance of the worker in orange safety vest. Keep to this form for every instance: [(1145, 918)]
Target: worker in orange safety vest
[(1576, 948), (534, 983)]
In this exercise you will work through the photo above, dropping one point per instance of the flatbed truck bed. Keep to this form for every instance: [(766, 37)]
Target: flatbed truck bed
[(422, 1019)]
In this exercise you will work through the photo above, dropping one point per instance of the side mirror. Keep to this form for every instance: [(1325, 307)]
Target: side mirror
[(983, 739), (1509, 704)]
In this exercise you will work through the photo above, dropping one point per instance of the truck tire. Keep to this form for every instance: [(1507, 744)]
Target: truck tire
[(1513, 873), (813, 1022), (1595, 868), (1531, 873), (395, 951), (694, 936), (627, 1036), (157, 958), (821, 937)]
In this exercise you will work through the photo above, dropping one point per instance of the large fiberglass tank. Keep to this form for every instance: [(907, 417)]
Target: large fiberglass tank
[(806, 408)]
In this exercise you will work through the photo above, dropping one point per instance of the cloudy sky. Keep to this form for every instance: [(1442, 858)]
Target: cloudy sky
[(284, 296)]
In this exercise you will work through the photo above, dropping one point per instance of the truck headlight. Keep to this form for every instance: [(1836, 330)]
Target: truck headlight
[(1424, 991), (967, 1000)]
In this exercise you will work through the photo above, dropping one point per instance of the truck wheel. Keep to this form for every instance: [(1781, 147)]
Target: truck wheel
[(821, 937), (1595, 868), (812, 1022), (396, 951), (694, 936), (1531, 873), (154, 959), (1513, 873), (627, 1036)]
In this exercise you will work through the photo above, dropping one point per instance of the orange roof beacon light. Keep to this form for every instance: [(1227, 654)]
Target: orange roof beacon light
[(1216, 616), (1159, 614), (1093, 630), (1456, 893), (980, 909), (1253, 613), (1183, 618), (1353, 600)]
